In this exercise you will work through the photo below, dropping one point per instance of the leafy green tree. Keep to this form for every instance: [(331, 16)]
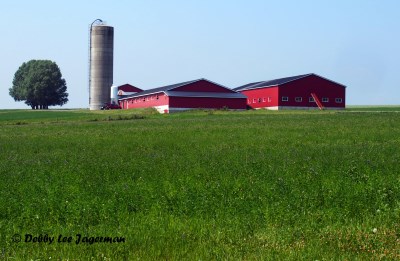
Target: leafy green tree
[(40, 84)]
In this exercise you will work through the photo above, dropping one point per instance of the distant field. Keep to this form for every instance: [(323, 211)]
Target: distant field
[(373, 108), (202, 185)]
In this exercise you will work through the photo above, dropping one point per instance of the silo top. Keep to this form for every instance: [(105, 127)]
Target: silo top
[(102, 29), (102, 25)]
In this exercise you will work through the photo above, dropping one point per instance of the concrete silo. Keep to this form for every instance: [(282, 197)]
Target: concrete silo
[(101, 58)]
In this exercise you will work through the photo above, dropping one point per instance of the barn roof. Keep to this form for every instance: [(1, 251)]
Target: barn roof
[(276, 82), (165, 88), (129, 88), (168, 90), (205, 94)]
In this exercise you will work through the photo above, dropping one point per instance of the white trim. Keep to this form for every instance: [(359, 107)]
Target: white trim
[(299, 108), (174, 109), (122, 93), (125, 98), (272, 108), (161, 109), (298, 99)]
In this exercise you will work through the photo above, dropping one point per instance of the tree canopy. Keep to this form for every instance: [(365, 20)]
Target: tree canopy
[(40, 84)]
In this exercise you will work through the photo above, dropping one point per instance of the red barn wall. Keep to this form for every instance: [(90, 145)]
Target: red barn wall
[(261, 98), (204, 102), (312, 84), (129, 88), (202, 86), (145, 101)]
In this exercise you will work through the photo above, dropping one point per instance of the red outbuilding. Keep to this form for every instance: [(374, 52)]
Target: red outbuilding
[(127, 89), (308, 91), (199, 93)]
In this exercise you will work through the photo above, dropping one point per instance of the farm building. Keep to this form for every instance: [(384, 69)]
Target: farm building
[(128, 89), (200, 93), (308, 91)]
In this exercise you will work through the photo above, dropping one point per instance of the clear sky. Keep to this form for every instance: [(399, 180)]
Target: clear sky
[(231, 42)]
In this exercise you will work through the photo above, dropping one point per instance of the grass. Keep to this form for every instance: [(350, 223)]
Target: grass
[(374, 108), (254, 185)]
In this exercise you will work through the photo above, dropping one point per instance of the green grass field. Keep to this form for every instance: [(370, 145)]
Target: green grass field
[(202, 185)]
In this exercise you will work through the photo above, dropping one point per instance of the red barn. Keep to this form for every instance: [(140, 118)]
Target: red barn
[(128, 89), (199, 93), (308, 91)]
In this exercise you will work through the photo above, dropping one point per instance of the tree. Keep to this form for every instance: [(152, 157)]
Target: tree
[(40, 84)]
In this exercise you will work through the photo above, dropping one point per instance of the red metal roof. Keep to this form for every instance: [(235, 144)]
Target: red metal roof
[(129, 88), (276, 82)]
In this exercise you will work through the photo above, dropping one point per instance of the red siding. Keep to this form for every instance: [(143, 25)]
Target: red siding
[(261, 98), (145, 101), (202, 86), (129, 88), (312, 84), (214, 103)]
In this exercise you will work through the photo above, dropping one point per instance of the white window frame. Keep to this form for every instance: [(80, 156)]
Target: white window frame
[(254, 100), (285, 98), (325, 99), (269, 99), (298, 99), (311, 99), (338, 100)]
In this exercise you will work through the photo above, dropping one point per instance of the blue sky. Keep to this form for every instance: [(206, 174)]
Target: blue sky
[(231, 42)]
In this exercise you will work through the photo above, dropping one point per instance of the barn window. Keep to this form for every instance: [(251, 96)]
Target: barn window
[(269, 99), (338, 100), (131, 101), (254, 100), (298, 99), (259, 100), (157, 97), (144, 99), (324, 99), (264, 100), (311, 99), (285, 98)]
